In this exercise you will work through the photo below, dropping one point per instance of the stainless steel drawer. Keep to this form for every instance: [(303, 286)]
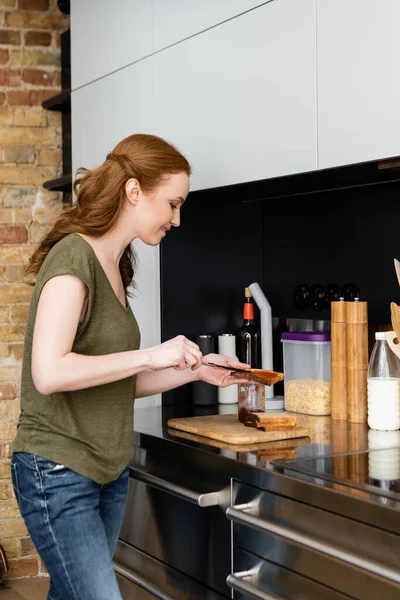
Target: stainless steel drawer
[(263, 580), (130, 591), (142, 577), (343, 554), (176, 514)]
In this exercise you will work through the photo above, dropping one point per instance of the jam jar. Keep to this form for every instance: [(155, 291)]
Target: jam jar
[(251, 398)]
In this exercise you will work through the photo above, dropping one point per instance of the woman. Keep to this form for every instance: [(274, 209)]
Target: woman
[(83, 368)]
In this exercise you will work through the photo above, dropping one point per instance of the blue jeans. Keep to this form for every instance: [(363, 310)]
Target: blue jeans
[(74, 524)]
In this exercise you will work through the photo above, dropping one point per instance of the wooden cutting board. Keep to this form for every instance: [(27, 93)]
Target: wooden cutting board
[(227, 428)]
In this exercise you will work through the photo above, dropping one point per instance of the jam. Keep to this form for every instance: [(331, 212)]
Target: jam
[(251, 398)]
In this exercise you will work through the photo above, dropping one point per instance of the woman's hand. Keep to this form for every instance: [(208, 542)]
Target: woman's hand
[(179, 353), (220, 377)]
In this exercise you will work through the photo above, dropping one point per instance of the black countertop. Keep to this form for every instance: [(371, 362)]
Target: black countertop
[(349, 467)]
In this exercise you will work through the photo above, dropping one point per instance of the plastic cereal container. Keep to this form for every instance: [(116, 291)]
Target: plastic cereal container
[(307, 369)]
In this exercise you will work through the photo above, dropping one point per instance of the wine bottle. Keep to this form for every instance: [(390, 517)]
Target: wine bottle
[(248, 336)]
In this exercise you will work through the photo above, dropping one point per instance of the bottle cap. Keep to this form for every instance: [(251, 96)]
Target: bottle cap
[(380, 335)]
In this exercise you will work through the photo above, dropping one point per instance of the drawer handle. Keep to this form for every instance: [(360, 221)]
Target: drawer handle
[(237, 581), (240, 516), (204, 500), (143, 583)]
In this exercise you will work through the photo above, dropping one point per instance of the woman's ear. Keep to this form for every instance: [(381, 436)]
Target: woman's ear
[(132, 190)]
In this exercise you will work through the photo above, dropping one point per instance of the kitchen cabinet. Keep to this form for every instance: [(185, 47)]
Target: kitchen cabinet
[(103, 113), (107, 36), (358, 82), (176, 20), (240, 99)]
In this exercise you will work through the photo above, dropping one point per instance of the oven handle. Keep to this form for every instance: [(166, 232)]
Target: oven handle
[(237, 581), (238, 515), (203, 500), (143, 583)]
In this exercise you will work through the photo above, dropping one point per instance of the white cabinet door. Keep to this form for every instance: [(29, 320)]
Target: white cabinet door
[(103, 113), (358, 80), (106, 36), (175, 20), (240, 99)]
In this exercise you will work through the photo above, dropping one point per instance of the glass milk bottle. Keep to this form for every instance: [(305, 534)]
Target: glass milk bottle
[(383, 387)]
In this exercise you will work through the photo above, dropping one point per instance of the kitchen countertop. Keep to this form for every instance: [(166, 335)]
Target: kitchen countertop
[(339, 451)]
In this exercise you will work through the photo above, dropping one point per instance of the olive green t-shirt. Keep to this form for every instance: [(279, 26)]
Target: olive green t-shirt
[(90, 430)]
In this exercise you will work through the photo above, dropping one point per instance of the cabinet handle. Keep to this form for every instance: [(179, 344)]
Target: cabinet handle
[(237, 581), (143, 583), (204, 500), (244, 518)]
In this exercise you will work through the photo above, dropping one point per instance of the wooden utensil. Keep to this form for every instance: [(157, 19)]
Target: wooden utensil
[(397, 267), (393, 337), (256, 375)]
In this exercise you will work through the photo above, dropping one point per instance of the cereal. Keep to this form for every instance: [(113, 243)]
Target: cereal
[(308, 396)]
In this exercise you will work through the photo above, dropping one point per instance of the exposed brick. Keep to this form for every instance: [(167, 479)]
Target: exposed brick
[(20, 215), (4, 318), (10, 78), (4, 56), (7, 433), (51, 158), (35, 57), (19, 313), (38, 77), (15, 274), (4, 487), (29, 97), (28, 136), (32, 20), (54, 118), (8, 295), (14, 254), (9, 508), (11, 548), (13, 234), (10, 37), (37, 232), (23, 567), (16, 351), (8, 3), (8, 374), (33, 4), (25, 175), (42, 568), (7, 391), (27, 547), (37, 38), (19, 196), (12, 333), (2, 98), (4, 406), (6, 115), (15, 154), (4, 351), (2, 274), (30, 117)]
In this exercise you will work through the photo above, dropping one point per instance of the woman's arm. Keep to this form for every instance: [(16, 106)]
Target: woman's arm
[(154, 382), (56, 368), (150, 382)]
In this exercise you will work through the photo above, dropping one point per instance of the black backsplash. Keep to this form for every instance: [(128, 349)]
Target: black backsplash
[(226, 243)]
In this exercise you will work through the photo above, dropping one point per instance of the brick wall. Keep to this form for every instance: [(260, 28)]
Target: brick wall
[(30, 153)]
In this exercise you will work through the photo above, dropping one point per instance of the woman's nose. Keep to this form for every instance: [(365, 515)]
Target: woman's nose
[(176, 221)]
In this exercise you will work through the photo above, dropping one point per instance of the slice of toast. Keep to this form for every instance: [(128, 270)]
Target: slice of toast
[(268, 422), (258, 376)]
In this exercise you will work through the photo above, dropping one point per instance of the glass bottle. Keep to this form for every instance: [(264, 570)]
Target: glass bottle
[(383, 386)]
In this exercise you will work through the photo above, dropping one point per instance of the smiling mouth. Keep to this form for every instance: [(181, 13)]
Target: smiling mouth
[(165, 229)]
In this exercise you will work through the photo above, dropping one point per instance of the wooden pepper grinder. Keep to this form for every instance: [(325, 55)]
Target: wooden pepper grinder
[(339, 361), (357, 360)]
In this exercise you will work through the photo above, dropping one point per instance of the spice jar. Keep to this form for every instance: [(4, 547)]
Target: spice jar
[(251, 398), (307, 369)]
